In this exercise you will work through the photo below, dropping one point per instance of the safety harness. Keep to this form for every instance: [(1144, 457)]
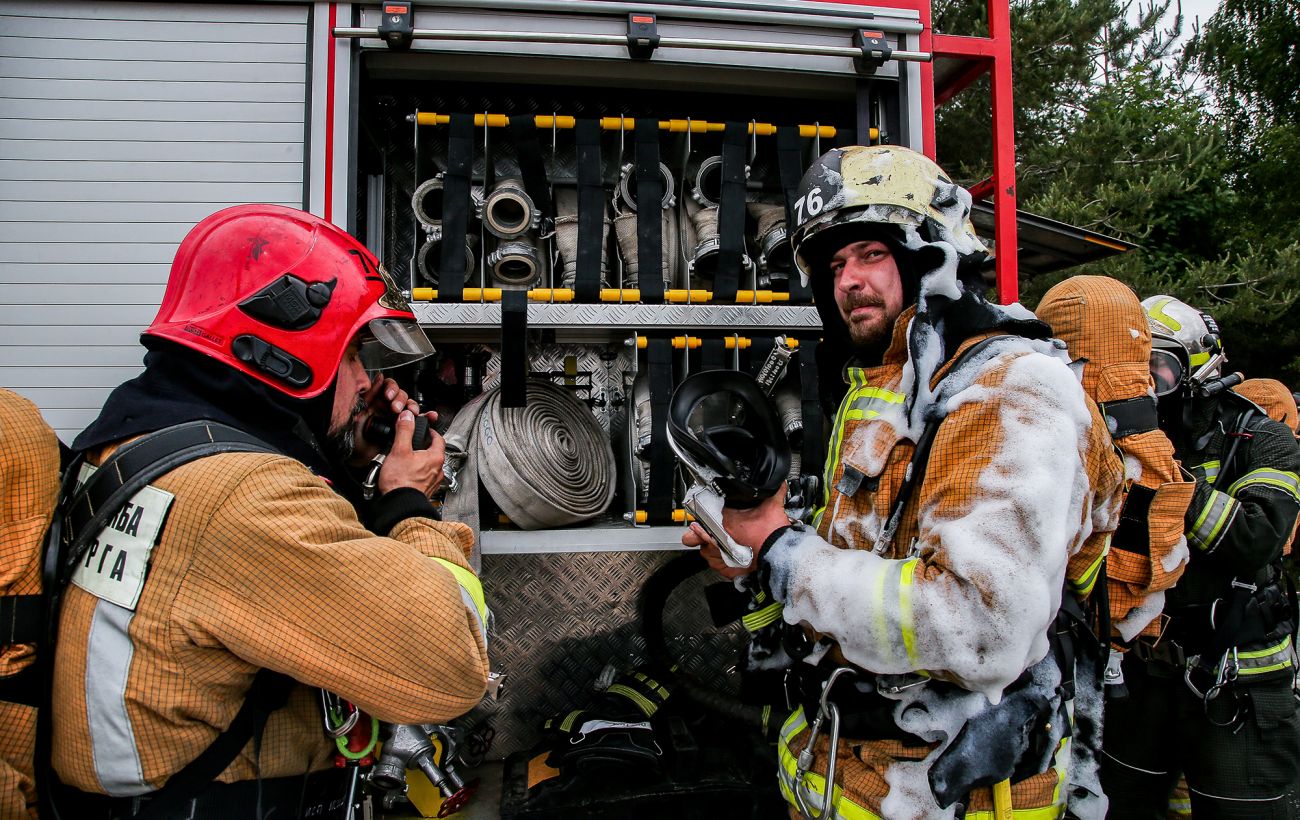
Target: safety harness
[(83, 511)]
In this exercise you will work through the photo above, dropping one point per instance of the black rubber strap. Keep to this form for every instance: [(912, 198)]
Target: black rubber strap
[(514, 348), (659, 495), (268, 692), (456, 207), (649, 225), (731, 213), (591, 212), (21, 619), (1131, 416), (789, 156), (759, 350), (813, 455), (713, 354), (532, 168)]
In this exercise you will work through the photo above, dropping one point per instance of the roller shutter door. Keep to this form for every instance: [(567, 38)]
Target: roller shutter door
[(121, 125)]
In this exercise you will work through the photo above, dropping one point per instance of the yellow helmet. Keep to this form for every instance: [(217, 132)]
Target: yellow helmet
[(859, 185)]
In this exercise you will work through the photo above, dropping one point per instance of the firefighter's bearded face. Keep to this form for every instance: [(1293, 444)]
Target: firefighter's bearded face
[(350, 389), (868, 290)]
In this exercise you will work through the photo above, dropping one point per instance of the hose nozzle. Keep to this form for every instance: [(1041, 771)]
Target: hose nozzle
[(508, 211)]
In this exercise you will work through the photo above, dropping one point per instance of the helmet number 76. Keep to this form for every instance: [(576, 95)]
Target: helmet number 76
[(812, 201)]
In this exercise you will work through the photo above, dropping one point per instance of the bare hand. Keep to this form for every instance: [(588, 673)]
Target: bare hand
[(404, 467), (695, 536), (749, 528), (384, 398)]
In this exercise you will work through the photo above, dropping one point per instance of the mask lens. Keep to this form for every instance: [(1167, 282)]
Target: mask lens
[(1166, 372), (392, 343)]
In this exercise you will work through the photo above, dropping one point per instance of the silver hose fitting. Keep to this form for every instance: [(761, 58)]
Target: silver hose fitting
[(515, 263), (508, 211), (626, 193), (429, 257), (426, 202)]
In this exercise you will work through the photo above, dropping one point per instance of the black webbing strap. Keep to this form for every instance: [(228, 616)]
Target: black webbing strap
[(789, 157), (713, 354), (532, 168), (134, 465), (1134, 531), (591, 212), (85, 513), (649, 227), (456, 207), (760, 348), (659, 494), (1131, 416), (731, 213), (813, 455), (514, 348), (21, 619)]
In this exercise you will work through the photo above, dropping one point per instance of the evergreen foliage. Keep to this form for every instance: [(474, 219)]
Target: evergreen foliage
[(1190, 155)]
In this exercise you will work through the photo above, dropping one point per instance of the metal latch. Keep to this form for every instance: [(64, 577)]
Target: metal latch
[(642, 35), (875, 50), (397, 25)]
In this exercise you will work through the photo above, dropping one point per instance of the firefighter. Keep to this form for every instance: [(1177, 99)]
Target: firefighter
[(29, 486), (927, 586), (1214, 698), (1274, 399), (272, 322)]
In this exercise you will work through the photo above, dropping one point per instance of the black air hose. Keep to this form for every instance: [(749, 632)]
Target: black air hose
[(652, 600)]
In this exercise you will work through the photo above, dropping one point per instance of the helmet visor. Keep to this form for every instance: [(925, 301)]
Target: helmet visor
[(393, 342), (1166, 371)]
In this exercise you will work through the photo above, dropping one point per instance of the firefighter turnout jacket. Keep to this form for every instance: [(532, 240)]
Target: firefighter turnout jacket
[(1021, 493), (260, 564), (29, 488)]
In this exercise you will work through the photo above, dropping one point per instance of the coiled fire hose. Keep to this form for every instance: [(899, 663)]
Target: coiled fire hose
[(548, 464)]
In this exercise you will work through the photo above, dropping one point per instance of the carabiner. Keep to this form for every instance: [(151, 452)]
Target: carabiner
[(825, 707)]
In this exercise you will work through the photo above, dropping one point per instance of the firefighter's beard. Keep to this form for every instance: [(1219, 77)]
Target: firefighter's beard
[(871, 333), (342, 440)]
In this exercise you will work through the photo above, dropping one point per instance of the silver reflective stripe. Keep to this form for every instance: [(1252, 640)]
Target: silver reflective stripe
[(1273, 658), (1286, 482), (1213, 521), (108, 660), (473, 607)]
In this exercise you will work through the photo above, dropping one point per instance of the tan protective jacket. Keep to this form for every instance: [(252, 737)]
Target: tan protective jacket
[(29, 488), (262, 565), (1021, 482)]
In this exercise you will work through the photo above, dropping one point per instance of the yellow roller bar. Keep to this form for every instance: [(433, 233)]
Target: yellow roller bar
[(676, 297), (680, 516), (762, 129), (692, 342)]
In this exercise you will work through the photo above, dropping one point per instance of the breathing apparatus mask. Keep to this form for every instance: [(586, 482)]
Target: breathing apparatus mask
[(726, 432), (1187, 355)]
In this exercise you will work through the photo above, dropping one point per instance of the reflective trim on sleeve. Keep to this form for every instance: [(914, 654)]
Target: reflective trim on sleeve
[(1287, 482), (1209, 471), (905, 624), (1269, 659), (766, 616), (1212, 521), (471, 592)]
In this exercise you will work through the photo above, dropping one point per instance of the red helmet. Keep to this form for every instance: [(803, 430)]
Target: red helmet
[(279, 294)]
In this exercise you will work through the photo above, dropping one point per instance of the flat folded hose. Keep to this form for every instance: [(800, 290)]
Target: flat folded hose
[(548, 464)]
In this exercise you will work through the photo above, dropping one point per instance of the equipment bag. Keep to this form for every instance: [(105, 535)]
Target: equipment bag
[(82, 513)]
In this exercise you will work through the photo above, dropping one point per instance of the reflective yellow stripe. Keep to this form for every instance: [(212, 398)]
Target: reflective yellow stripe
[(1287, 482), (1082, 586), (1210, 523), (843, 807), (1002, 800), (1157, 312), (1198, 359), (653, 684), (859, 403), (567, 723), (643, 703), (1210, 470), (1263, 653), (766, 616), (905, 624), (471, 588), (1259, 670)]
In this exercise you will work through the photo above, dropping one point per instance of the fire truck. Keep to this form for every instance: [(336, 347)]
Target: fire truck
[(586, 194)]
